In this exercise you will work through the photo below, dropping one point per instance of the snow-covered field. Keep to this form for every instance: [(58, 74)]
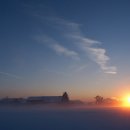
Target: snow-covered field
[(45, 118)]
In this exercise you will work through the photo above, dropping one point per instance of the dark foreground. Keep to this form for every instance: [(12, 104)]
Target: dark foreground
[(64, 118)]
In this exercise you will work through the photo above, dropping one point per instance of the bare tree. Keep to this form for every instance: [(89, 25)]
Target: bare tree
[(99, 99)]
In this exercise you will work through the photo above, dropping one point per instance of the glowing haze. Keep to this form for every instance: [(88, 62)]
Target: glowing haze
[(48, 47)]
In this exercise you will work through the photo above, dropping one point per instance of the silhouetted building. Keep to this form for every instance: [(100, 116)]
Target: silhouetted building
[(12, 100), (49, 99)]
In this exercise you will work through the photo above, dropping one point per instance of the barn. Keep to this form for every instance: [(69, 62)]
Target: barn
[(49, 99)]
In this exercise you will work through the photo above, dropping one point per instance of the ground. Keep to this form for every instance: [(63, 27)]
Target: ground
[(64, 118)]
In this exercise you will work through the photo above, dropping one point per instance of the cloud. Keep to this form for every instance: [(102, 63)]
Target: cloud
[(58, 48), (62, 50), (83, 40), (99, 56), (10, 75), (90, 47)]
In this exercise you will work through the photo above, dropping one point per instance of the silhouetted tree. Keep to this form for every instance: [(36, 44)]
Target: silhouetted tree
[(99, 99)]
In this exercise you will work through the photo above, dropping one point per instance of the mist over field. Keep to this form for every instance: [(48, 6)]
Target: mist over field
[(64, 118)]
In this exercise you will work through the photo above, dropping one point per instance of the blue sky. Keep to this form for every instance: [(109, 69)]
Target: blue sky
[(48, 47)]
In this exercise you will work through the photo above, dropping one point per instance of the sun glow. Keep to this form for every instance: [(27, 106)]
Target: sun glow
[(126, 101)]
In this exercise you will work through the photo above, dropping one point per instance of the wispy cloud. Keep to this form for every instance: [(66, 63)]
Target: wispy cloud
[(62, 50), (58, 48), (99, 56), (10, 75), (91, 48)]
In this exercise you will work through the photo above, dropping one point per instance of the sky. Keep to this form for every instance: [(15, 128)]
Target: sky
[(48, 47)]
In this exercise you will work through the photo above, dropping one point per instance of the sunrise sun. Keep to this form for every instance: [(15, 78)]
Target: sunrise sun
[(126, 101)]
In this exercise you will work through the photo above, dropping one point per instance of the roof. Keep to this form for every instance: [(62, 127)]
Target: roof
[(46, 98)]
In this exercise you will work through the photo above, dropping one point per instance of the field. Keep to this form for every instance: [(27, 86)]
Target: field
[(64, 118)]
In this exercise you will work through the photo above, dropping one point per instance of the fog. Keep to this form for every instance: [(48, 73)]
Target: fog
[(64, 118)]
